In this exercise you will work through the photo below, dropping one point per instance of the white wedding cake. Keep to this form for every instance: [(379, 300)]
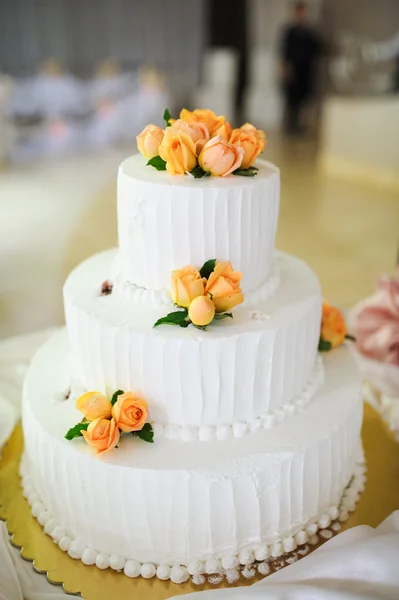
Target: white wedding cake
[(255, 435)]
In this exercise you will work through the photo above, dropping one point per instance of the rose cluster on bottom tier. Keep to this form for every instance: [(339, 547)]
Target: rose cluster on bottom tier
[(105, 420)]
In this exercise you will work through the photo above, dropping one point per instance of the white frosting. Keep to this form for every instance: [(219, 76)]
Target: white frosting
[(166, 222), (173, 504), (157, 298), (233, 373)]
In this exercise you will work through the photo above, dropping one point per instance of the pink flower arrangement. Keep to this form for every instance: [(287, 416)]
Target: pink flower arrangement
[(375, 323)]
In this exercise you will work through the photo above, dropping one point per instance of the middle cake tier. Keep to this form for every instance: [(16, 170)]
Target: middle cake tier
[(237, 376)]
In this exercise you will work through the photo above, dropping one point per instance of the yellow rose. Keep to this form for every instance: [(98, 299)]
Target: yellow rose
[(225, 130), (148, 141), (219, 157), (179, 152), (94, 406), (252, 141), (333, 326), (201, 311), (102, 435), (185, 285), (130, 413), (203, 115), (198, 132), (223, 287)]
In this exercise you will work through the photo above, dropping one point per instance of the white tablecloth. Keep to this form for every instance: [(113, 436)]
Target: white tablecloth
[(359, 564)]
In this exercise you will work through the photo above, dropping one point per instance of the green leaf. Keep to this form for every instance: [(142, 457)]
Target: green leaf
[(199, 172), (76, 431), (220, 316), (178, 317), (146, 434), (350, 337), (115, 396), (249, 172), (208, 267), (158, 163), (167, 116), (324, 346)]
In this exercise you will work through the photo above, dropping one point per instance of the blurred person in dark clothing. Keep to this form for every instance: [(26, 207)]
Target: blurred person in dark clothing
[(299, 50)]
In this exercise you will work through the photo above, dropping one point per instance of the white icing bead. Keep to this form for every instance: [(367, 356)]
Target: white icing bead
[(102, 561), (172, 432), (148, 571), (37, 508), (89, 557), (213, 565), (64, 543), (179, 574), (290, 410), (343, 515), (326, 534), (158, 430), (230, 561), (248, 573), (277, 549), (43, 517), (76, 549), (333, 512), (279, 414), (189, 433), (264, 568), (301, 538), (324, 521), (206, 433), (198, 579), (311, 529), (34, 498), (336, 526), (313, 540), (254, 425), (116, 562), (268, 421), (132, 568), (246, 557), (289, 544), (232, 575), (50, 526), (350, 505), (195, 567), (27, 490), (223, 432), (58, 533), (239, 429), (163, 572), (262, 553)]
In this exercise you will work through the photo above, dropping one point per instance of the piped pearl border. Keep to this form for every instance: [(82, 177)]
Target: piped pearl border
[(156, 298), (240, 428), (230, 566)]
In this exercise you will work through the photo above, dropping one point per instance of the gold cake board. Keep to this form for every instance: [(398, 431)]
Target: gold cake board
[(376, 503)]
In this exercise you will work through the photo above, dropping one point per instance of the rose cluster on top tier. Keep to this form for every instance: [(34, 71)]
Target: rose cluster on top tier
[(202, 143)]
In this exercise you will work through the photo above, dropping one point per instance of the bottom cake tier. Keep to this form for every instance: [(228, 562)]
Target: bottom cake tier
[(175, 509)]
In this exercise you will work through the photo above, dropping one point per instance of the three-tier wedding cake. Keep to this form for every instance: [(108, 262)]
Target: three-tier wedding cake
[(197, 336)]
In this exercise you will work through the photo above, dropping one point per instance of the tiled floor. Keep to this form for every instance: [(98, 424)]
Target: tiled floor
[(55, 217)]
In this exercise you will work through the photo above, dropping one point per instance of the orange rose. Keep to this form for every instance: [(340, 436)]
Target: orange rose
[(198, 132), (223, 286), (179, 152), (219, 157), (203, 115), (94, 406), (333, 326), (186, 284), (225, 130), (252, 141), (130, 413), (148, 141), (102, 435), (201, 311)]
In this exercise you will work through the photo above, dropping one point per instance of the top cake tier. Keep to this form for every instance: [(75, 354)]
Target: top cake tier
[(166, 222)]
